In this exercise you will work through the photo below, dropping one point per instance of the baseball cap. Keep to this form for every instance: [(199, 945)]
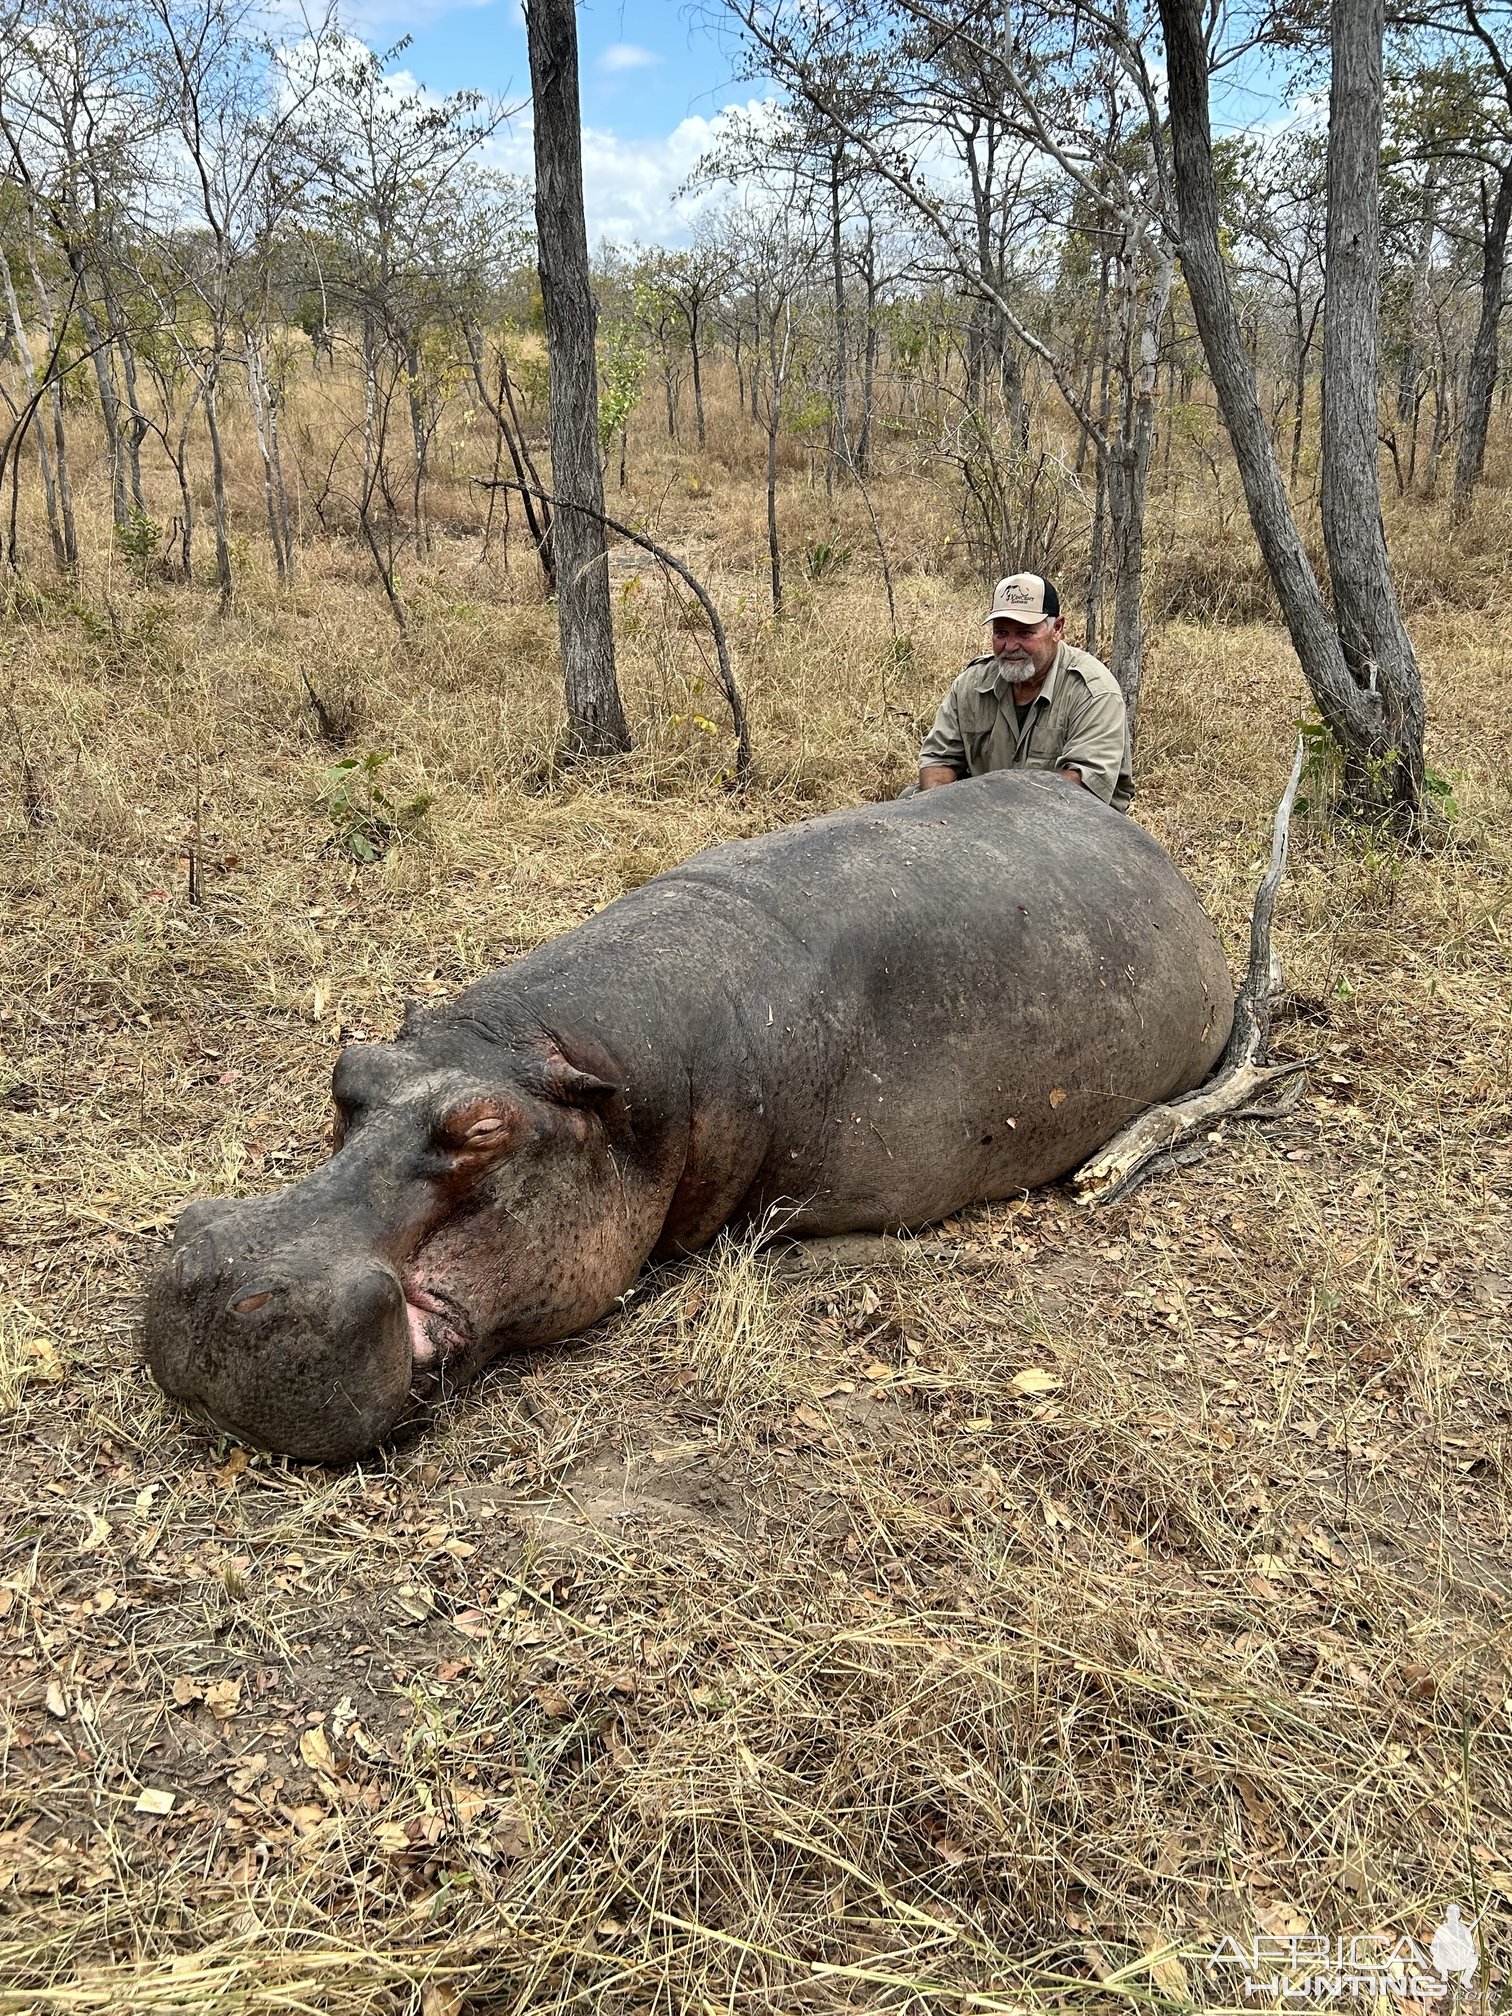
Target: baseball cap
[(1024, 598)]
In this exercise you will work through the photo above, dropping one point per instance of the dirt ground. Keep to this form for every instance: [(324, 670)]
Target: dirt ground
[(988, 1620)]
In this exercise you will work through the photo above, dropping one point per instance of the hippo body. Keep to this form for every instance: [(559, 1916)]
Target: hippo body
[(865, 1021)]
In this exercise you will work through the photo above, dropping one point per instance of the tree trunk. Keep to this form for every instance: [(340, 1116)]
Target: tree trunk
[(596, 723), (1439, 436), (1480, 383), (1098, 344), (55, 401), (840, 443), (512, 434), (421, 440), (1377, 649), (774, 552), (257, 394), (1408, 397), (1304, 343), (135, 430), (1354, 715), (280, 488), (218, 489), (110, 411), (29, 374), (186, 493), (868, 361), (1129, 484), (693, 353)]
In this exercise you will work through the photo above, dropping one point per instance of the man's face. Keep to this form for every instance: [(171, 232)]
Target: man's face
[(1026, 650)]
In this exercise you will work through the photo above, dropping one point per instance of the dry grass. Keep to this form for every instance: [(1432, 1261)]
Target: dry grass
[(770, 1649)]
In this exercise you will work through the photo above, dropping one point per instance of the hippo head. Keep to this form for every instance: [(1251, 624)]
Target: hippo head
[(476, 1199)]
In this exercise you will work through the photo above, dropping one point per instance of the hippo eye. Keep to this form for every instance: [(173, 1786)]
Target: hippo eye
[(476, 1128)]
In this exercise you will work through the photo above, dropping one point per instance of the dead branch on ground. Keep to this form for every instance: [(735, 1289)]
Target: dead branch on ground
[(1243, 1077)]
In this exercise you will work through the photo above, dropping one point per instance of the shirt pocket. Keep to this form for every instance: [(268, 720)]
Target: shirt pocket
[(976, 738), (978, 746)]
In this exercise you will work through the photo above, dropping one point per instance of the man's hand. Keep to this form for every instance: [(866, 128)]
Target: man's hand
[(932, 775)]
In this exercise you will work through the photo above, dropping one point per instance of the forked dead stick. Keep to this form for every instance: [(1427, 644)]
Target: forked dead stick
[(1243, 1076)]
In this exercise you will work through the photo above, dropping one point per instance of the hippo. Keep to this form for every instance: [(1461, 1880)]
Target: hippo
[(865, 1021)]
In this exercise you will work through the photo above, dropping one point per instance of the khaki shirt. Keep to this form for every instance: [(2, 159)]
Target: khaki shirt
[(1077, 721)]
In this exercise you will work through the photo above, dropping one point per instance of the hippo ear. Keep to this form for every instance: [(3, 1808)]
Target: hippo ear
[(572, 1087)]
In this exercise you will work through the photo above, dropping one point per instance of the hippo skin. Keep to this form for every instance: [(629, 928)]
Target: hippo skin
[(865, 1021)]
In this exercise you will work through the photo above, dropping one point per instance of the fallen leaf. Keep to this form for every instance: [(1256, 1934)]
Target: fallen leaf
[(316, 1751), (877, 1370), (1283, 1921), (470, 1806), (811, 1417), (1033, 1379), (57, 1700), (871, 1301), (391, 1838), (232, 1468), (436, 2001), (223, 1698), (510, 1839), (1098, 1960), (184, 1690), (1167, 1972), (1058, 1097), (1272, 1566), (1420, 1682), (252, 1768), (151, 1800)]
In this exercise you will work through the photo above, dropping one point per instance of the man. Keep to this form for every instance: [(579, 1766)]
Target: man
[(1036, 701)]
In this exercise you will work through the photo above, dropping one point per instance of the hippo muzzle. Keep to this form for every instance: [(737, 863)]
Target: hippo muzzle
[(288, 1341)]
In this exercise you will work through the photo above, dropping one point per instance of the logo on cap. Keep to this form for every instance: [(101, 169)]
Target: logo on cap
[(1024, 598)]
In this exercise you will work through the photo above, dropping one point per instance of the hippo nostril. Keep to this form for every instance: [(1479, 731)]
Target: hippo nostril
[(251, 1302)]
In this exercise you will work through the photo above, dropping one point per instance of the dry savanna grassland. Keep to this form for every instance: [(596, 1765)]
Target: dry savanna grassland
[(987, 1621)]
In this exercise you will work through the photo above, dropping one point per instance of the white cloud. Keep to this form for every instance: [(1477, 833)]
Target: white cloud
[(628, 185), (626, 56), (380, 22)]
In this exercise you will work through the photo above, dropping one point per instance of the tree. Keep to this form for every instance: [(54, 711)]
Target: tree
[(1053, 94), (1378, 653), (1373, 711), (238, 111), (410, 223), (1482, 29), (596, 723)]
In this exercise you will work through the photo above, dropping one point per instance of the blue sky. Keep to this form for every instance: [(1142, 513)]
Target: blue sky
[(646, 64), (653, 77)]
